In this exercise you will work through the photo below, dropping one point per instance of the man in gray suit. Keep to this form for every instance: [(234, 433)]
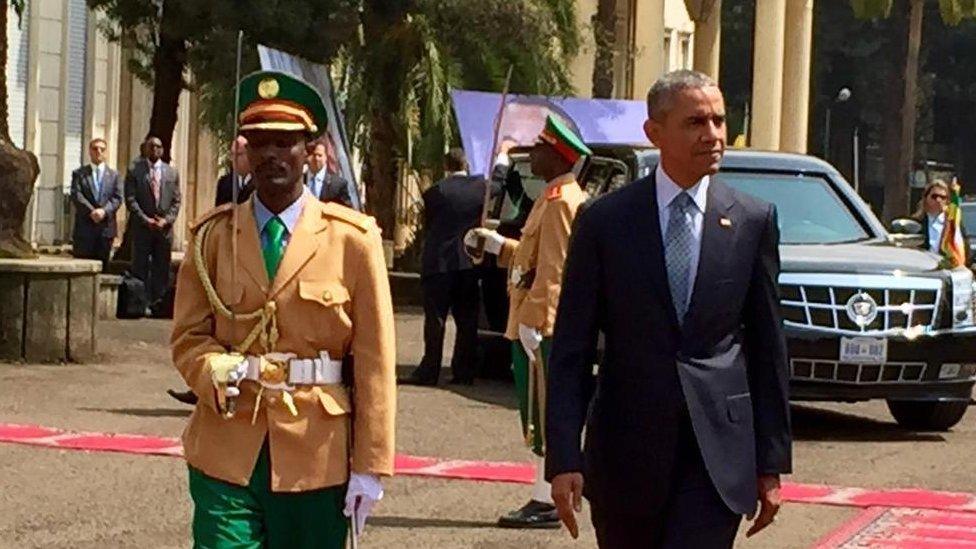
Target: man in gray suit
[(97, 194), (152, 195), (687, 425)]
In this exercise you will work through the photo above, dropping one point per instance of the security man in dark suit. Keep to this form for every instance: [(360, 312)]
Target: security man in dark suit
[(323, 177), (687, 425), (152, 195), (449, 279), (97, 194), (239, 175)]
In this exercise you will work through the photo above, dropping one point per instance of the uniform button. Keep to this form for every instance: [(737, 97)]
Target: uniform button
[(326, 296), (272, 399)]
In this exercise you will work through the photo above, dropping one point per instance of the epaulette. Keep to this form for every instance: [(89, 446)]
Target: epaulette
[(198, 222), (359, 220)]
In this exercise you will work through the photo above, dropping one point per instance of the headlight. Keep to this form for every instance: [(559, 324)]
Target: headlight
[(962, 297)]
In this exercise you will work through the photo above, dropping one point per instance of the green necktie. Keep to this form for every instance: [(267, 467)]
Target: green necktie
[(274, 250)]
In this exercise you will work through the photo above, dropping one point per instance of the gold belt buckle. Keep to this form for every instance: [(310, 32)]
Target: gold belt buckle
[(274, 370)]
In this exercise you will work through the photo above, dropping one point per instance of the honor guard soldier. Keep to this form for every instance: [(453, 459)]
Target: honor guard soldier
[(281, 443), (535, 270)]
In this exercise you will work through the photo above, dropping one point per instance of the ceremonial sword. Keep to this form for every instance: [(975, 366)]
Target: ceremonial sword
[(231, 392), (477, 254)]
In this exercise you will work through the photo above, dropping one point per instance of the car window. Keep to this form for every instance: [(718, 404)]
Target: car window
[(809, 209), (969, 216)]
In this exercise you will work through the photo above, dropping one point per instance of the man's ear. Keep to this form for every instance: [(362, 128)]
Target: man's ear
[(652, 129)]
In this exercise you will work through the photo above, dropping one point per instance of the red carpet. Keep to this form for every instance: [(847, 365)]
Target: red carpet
[(490, 471), (902, 528)]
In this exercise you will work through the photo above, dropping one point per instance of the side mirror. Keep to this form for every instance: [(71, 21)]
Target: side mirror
[(906, 226)]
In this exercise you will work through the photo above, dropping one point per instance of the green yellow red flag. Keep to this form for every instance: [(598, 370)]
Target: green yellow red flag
[(951, 244)]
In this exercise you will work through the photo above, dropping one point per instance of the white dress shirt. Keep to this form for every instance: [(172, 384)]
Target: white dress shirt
[(936, 224), (315, 183), (289, 216), (667, 190)]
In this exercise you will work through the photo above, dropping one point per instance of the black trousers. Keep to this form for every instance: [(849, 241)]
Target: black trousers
[(694, 517), (92, 247), (455, 293), (151, 258)]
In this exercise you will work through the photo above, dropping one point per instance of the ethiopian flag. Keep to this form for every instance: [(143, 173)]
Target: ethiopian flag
[(951, 244)]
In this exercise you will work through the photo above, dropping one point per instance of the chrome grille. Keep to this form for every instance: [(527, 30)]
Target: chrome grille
[(821, 302), (842, 372)]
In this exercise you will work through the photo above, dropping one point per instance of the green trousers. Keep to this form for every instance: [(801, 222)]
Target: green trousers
[(533, 424), (227, 516)]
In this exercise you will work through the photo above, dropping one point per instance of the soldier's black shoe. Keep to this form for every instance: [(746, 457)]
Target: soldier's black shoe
[(186, 397), (462, 381), (533, 514), (418, 377)]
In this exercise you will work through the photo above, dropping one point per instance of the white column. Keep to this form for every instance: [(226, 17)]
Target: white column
[(708, 40), (767, 74), (796, 75)]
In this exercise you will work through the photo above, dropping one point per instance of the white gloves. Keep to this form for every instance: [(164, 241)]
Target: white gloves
[(363, 493), (493, 240), (227, 368), (531, 338)]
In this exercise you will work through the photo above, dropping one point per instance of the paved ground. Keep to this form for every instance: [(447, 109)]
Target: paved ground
[(53, 498)]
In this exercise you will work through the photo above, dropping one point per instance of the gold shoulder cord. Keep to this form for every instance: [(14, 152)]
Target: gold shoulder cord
[(267, 326)]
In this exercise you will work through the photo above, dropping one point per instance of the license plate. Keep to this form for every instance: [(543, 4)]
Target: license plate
[(863, 350)]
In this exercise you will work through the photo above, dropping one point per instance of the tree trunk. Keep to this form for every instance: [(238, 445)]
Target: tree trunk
[(169, 62), (19, 169), (382, 181), (605, 38), (899, 132)]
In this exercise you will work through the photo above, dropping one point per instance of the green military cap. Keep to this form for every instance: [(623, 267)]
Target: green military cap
[(564, 140), (271, 100)]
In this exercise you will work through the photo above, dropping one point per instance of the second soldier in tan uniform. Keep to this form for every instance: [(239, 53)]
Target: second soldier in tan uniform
[(535, 271)]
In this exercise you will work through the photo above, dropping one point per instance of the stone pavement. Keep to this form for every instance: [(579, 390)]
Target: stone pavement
[(62, 498)]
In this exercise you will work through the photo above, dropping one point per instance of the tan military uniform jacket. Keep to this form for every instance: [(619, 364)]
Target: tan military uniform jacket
[(332, 294), (542, 250)]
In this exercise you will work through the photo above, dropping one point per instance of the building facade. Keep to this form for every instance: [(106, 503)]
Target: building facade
[(67, 84)]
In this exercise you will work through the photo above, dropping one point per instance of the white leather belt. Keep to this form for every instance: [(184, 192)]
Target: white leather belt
[(301, 371)]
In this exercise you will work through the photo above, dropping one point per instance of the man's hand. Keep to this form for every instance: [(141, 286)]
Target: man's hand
[(531, 338), (493, 241), (770, 501), (362, 494), (567, 494), (161, 223), (97, 215)]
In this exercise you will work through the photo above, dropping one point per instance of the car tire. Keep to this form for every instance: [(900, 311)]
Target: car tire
[(922, 415)]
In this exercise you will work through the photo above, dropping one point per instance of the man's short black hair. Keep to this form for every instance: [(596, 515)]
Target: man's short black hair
[(455, 161)]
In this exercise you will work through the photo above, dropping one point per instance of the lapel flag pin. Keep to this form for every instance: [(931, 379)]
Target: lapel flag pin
[(725, 222)]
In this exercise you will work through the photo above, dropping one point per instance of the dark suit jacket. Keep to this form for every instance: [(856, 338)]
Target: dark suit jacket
[(451, 207), (85, 199), (924, 221), (139, 197), (726, 367), (335, 188), (225, 190)]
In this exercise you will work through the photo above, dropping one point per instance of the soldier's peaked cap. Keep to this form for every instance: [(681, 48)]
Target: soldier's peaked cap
[(277, 101), (564, 140)]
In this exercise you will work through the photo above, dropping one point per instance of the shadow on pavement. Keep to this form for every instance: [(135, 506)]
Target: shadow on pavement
[(487, 391), (816, 424), (414, 522), (144, 412)]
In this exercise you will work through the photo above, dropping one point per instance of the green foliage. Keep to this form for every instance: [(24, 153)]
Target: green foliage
[(431, 46), (952, 11)]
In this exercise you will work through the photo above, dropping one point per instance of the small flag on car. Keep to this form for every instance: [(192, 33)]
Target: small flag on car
[(951, 244)]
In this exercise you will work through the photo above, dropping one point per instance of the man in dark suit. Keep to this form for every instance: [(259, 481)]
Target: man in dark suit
[(152, 195), (239, 176), (689, 421), (97, 194), (323, 177), (449, 279)]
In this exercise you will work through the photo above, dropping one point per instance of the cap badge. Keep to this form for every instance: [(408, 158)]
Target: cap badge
[(268, 88)]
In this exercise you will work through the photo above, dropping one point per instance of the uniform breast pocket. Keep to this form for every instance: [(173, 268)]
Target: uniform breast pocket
[(328, 302), (230, 292)]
